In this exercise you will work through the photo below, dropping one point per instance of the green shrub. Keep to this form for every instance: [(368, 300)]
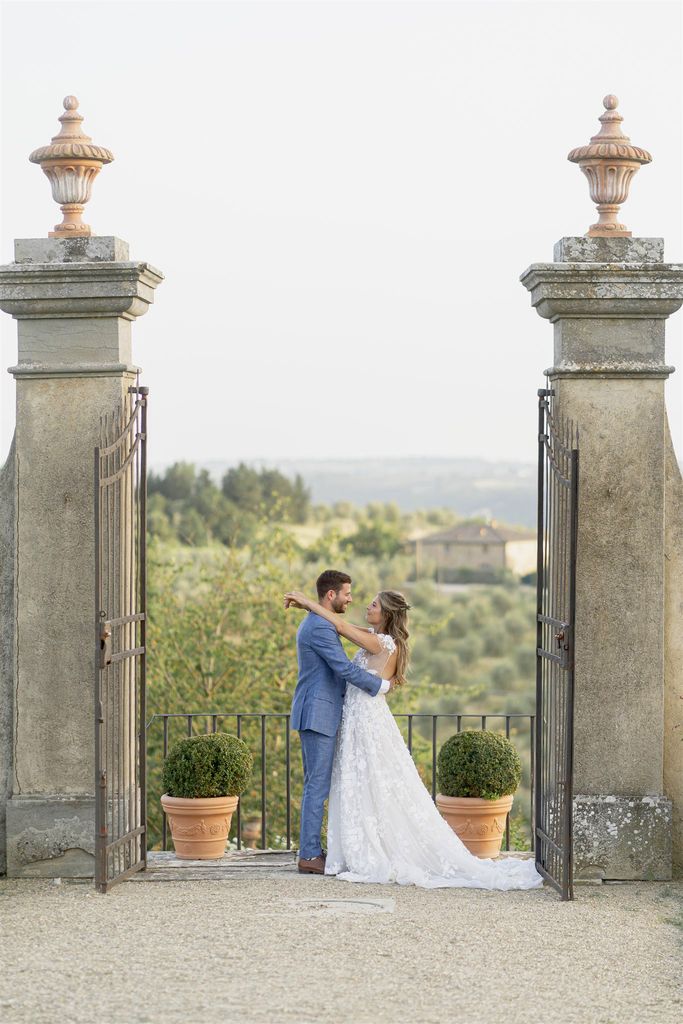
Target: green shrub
[(494, 640), (459, 623), (503, 673), (480, 611), (444, 667), (501, 601), (516, 625), (469, 648), (478, 763), (525, 657), (207, 766), (519, 834)]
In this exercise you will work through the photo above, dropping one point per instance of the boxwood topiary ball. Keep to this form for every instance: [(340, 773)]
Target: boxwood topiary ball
[(207, 766), (478, 763)]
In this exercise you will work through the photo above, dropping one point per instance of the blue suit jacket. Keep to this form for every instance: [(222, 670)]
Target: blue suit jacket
[(324, 671)]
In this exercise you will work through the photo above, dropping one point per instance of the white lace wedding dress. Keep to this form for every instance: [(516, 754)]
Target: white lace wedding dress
[(382, 824)]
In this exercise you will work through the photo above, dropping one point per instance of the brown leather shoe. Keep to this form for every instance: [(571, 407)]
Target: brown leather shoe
[(315, 866)]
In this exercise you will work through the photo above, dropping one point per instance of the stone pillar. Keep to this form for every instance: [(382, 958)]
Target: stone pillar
[(673, 652), (74, 297), (75, 300), (7, 631), (608, 299), (608, 296)]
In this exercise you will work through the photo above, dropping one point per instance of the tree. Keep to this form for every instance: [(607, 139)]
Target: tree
[(191, 528), (267, 492), (375, 538), (158, 522), (177, 484), (242, 486), (301, 500), (219, 639)]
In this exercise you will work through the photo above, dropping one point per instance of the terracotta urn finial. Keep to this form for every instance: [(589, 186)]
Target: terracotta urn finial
[(71, 162), (609, 162)]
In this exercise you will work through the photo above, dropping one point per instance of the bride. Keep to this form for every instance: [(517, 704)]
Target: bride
[(382, 825)]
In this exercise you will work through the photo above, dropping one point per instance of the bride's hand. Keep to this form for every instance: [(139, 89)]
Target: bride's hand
[(295, 599)]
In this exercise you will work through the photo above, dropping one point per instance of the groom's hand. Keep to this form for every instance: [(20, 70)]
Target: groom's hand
[(295, 599)]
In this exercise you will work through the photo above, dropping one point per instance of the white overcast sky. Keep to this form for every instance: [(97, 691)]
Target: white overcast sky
[(342, 196)]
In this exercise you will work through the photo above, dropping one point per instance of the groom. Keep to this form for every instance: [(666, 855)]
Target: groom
[(324, 671)]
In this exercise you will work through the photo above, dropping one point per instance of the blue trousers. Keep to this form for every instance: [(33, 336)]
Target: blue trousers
[(317, 752)]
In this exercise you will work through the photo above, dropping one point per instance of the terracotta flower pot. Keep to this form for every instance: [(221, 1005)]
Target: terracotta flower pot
[(199, 827), (480, 824)]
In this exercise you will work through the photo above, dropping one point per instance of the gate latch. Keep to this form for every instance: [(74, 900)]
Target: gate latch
[(105, 644), (562, 638)]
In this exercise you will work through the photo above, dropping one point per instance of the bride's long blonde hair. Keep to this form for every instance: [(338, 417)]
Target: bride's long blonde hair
[(395, 611)]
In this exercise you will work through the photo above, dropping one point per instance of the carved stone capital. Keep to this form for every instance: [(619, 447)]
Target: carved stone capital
[(609, 317), (67, 290), (596, 290)]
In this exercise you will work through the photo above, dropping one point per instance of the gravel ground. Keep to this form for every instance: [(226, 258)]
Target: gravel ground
[(279, 949)]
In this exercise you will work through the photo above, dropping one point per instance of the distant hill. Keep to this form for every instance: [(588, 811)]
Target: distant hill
[(505, 491)]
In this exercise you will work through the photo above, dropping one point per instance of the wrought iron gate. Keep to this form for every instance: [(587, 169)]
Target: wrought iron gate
[(558, 481), (120, 611)]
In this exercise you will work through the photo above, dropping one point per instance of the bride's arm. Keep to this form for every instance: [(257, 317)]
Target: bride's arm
[(356, 634)]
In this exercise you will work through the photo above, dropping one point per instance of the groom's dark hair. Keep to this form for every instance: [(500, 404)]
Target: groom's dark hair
[(331, 579)]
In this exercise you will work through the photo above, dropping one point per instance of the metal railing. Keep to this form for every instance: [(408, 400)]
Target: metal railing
[(271, 729)]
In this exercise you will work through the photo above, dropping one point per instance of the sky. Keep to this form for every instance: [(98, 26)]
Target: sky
[(341, 196)]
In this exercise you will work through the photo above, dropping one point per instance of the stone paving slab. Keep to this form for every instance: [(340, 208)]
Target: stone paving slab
[(291, 949), (164, 866)]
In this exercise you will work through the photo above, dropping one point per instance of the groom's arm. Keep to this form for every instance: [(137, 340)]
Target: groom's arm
[(325, 642)]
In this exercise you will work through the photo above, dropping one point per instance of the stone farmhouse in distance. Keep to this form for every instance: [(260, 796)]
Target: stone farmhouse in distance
[(475, 549)]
